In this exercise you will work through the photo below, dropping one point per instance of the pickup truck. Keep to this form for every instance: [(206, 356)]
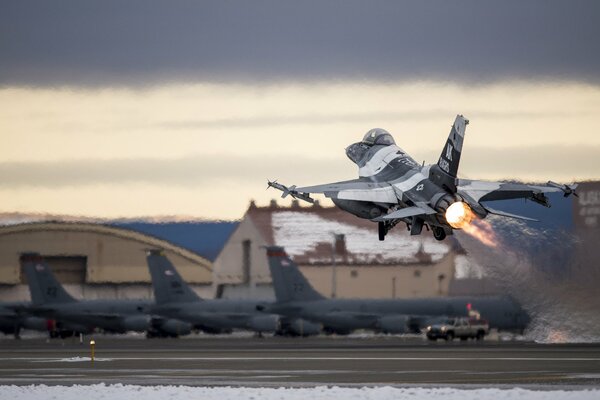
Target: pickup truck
[(463, 328)]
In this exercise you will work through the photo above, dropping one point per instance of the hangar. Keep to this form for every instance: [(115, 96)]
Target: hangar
[(93, 260)]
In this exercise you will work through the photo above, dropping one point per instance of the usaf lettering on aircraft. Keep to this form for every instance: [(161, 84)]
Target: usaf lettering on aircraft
[(445, 165)]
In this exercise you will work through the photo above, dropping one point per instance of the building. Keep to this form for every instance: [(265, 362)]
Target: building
[(400, 266), (92, 260)]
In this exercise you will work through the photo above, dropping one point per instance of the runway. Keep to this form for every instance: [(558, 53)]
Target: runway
[(275, 362)]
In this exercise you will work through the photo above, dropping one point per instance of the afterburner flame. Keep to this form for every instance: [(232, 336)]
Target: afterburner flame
[(459, 215), (482, 230)]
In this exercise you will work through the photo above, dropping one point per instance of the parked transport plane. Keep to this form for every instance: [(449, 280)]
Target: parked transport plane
[(296, 298), (175, 299), (51, 300), (392, 187), (14, 317)]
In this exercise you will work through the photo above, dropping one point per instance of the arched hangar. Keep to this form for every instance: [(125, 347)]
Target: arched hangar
[(93, 260)]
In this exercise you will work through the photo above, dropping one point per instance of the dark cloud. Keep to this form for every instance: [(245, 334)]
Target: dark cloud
[(544, 161), (144, 42)]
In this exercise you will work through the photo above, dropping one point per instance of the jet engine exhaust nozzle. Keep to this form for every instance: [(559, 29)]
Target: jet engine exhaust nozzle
[(459, 214)]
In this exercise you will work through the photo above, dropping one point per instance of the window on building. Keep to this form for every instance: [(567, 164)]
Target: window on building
[(246, 261), (417, 273), (354, 273)]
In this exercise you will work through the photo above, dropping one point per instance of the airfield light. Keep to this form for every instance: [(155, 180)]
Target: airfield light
[(459, 215), (93, 349)]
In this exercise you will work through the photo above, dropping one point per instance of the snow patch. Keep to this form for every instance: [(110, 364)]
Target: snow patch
[(300, 232), (119, 391)]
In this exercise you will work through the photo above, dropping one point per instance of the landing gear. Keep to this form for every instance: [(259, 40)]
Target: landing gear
[(438, 233), (382, 230)]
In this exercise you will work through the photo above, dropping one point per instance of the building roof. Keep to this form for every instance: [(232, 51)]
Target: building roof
[(307, 234), (205, 238), (147, 240)]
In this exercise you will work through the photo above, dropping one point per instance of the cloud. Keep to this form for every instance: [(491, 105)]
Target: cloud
[(141, 42), (540, 164)]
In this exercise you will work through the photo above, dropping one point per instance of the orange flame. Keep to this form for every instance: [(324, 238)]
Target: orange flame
[(482, 231), (460, 216)]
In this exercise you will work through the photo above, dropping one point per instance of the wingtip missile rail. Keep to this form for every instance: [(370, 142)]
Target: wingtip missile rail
[(567, 189), (291, 191)]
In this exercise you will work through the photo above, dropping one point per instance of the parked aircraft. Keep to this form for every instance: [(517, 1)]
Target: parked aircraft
[(51, 300), (393, 188), (175, 299), (14, 317), (296, 298)]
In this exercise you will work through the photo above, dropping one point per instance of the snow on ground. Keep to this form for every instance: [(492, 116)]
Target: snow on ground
[(118, 392)]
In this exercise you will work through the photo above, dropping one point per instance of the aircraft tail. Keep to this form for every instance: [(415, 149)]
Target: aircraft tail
[(288, 282), (43, 285), (449, 160), (168, 285)]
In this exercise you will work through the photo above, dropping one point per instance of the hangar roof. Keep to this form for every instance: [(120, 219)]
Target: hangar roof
[(148, 240)]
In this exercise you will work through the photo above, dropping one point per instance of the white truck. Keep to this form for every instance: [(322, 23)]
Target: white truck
[(463, 328)]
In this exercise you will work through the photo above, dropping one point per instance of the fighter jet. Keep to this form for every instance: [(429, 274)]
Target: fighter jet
[(175, 299), (392, 187), (296, 298), (51, 300)]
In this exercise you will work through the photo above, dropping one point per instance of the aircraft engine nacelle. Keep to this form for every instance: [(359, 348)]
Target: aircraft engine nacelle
[(302, 327), (175, 327), (264, 323), (138, 323), (35, 323), (394, 324), (362, 209)]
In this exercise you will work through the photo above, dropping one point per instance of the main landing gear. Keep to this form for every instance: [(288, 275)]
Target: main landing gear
[(382, 230), (384, 227), (438, 233)]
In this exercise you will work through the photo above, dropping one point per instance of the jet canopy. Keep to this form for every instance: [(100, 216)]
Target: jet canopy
[(378, 136)]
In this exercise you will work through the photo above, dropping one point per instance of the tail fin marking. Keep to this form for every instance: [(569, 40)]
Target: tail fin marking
[(168, 285), (288, 282)]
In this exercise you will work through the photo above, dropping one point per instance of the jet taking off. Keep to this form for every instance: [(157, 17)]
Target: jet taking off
[(393, 188), (296, 298)]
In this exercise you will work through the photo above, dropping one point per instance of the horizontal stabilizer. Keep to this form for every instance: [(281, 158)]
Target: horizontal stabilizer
[(508, 215), (407, 212)]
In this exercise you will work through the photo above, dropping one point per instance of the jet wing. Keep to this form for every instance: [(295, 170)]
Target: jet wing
[(488, 191), (356, 189), (419, 209)]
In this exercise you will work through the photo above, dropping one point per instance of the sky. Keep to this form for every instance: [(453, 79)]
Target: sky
[(142, 108)]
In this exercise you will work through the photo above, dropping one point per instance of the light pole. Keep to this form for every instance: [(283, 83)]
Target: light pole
[(337, 239)]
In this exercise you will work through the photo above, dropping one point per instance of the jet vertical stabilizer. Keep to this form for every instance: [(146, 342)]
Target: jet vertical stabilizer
[(43, 285), (168, 285), (444, 173), (288, 281)]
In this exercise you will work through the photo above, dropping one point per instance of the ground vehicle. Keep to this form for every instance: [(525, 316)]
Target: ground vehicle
[(463, 328)]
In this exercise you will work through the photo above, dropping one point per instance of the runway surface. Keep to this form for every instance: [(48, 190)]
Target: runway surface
[(274, 362)]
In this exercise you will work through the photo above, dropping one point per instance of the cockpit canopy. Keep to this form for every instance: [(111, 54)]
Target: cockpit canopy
[(362, 151), (378, 136)]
